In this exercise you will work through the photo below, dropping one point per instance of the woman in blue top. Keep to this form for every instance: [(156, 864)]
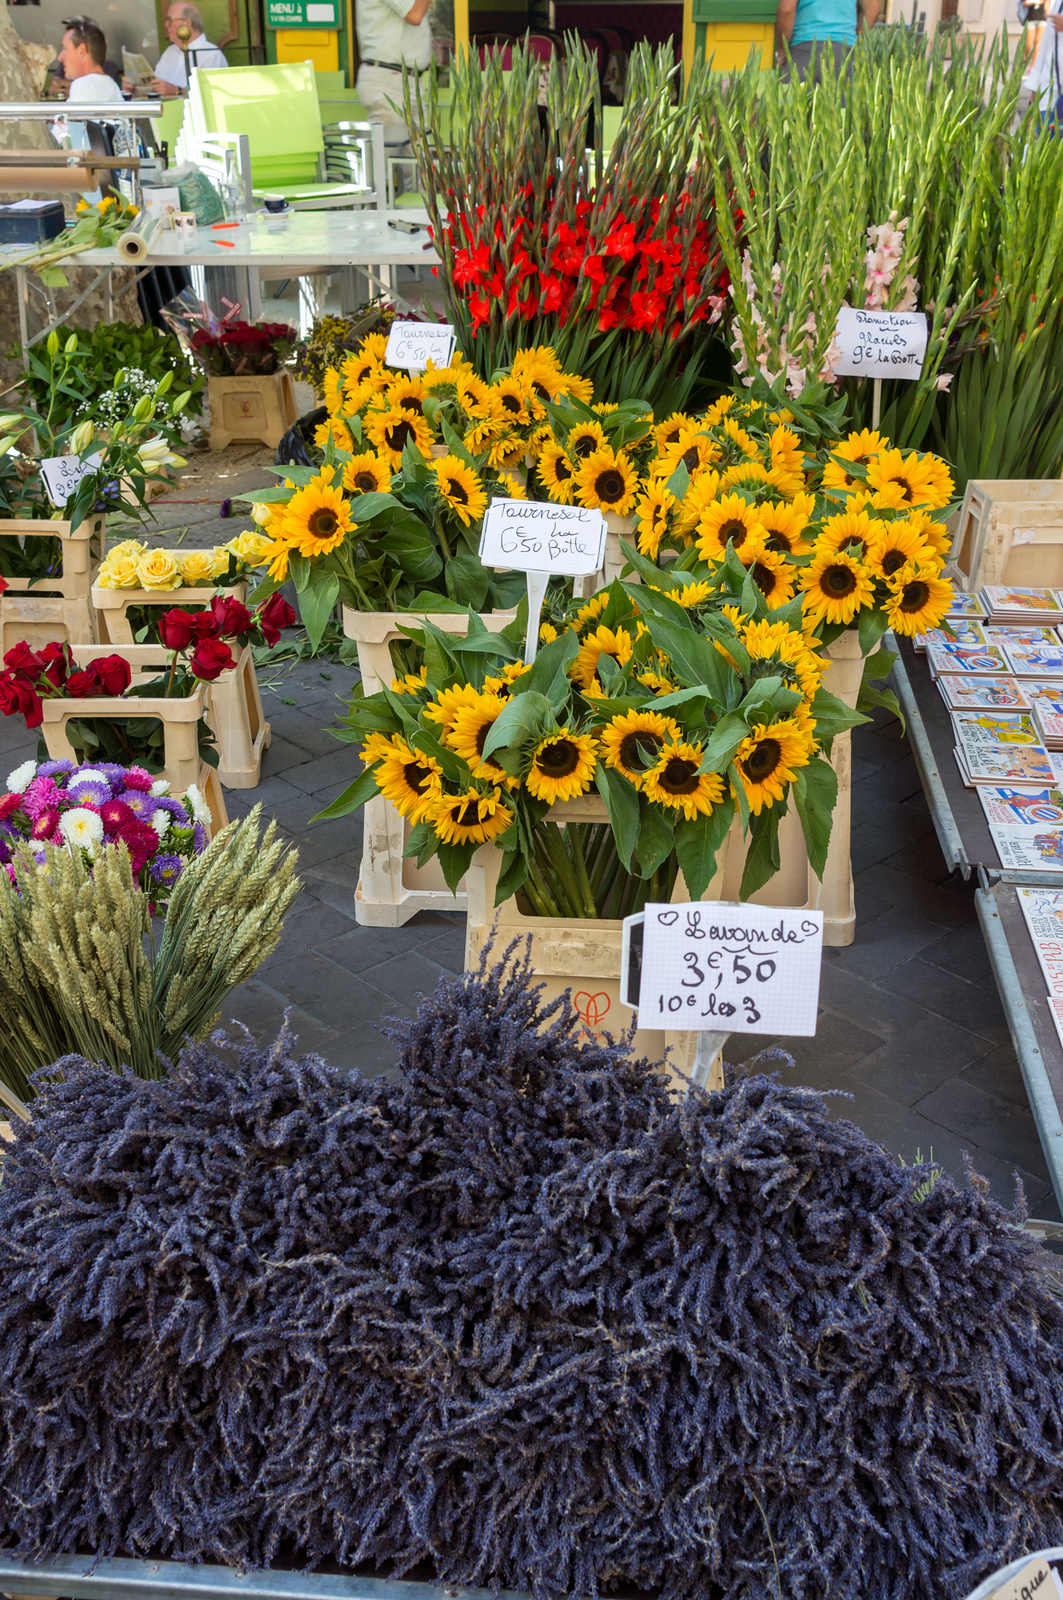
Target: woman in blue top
[(822, 29)]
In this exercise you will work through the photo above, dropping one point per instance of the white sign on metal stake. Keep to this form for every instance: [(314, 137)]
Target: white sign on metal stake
[(541, 540), (413, 344), (880, 344)]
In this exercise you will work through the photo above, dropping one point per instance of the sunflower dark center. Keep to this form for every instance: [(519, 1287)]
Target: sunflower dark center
[(365, 373), (690, 458), (417, 776), (892, 560), (680, 776), (902, 483), (915, 596), (733, 530), (838, 582), (468, 816), (674, 436), (762, 763), (455, 491), (323, 523), (779, 543), (559, 759), (609, 484), (585, 446), (365, 482), (411, 403), (639, 750), (766, 580), (399, 434), (511, 402), (541, 390), (562, 470)]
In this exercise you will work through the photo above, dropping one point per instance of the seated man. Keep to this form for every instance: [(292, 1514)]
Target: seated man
[(182, 54)]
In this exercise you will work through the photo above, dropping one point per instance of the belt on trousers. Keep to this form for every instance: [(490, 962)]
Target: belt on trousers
[(393, 66)]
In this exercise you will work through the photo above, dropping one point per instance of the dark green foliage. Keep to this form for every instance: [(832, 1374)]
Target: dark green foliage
[(524, 1316)]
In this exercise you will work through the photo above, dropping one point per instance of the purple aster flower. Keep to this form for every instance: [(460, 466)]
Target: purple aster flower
[(163, 802), (114, 772), (89, 791), (199, 838), (41, 795), (166, 869), (5, 853), (142, 805), (52, 769)]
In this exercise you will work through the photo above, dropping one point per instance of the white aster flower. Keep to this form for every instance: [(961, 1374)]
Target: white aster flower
[(82, 827), (19, 780), (160, 786), (89, 775), (200, 809), (160, 821)]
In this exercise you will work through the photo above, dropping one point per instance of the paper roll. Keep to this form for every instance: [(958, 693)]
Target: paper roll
[(135, 244), (47, 180)]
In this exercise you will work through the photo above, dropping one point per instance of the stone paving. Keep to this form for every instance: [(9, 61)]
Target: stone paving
[(912, 1039)]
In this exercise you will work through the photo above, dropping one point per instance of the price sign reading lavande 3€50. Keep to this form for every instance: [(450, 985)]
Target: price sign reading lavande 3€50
[(544, 541), (729, 968), (413, 345)]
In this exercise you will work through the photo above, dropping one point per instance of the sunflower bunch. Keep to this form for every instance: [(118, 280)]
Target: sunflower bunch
[(685, 705)]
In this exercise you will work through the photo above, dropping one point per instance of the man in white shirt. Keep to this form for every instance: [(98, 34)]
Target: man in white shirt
[(83, 52), (392, 34), (181, 55), (1044, 81)]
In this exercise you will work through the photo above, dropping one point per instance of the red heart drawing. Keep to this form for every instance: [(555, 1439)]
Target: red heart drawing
[(591, 1007)]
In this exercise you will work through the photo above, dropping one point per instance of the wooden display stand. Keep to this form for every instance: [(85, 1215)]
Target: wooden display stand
[(251, 408), (56, 609), (183, 765), (112, 606), (392, 889), (238, 723), (1010, 531)]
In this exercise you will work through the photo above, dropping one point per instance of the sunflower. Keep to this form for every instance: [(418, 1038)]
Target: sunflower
[(584, 440), (691, 595), (748, 475), (659, 684), (718, 410), (407, 393), (849, 530), (332, 389), (468, 732), (860, 448), (675, 781), (367, 474), (692, 449), (769, 758), (412, 683), (653, 513), (918, 479), (782, 528), (392, 430), (448, 702), (502, 683), (556, 473), (893, 545), (410, 780), (538, 377), (633, 742), (562, 766), (776, 643), (730, 520), (704, 490), (334, 431), (935, 534), (510, 396), (460, 489), (577, 387), (547, 633), (590, 611), (511, 488), (668, 432), (317, 519), (536, 355), (917, 600), (838, 586), (736, 439), (602, 642), (607, 482), (772, 574), (469, 818), (276, 555), (787, 457)]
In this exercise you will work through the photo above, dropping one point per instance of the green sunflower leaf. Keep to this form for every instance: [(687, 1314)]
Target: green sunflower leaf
[(513, 873), (622, 804), (762, 857), (656, 838), (815, 796), (455, 860), (525, 720), (697, 845), (356, 794)]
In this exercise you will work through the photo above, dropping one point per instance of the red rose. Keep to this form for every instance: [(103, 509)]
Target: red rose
[(114, 673), (19, 698), (3, 585), (273, 615), (58, 660), (204, 625), (141, 841), (209, 658), (230, 616), (83, 685), (22, 660), (175, 629)]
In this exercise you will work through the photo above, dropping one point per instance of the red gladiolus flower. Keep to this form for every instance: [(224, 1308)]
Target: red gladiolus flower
[(114, 673), (210, 658), (480, 307)]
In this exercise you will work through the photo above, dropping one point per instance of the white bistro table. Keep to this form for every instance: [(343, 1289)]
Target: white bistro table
[(294, 245)]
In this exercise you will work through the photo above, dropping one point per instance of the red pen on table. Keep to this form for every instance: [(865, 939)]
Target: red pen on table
[(225, 224), (226, 244)]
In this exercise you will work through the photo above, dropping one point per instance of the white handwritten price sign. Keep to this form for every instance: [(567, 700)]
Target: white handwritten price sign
[(880, 344), (414, 344), (728, 968), (62, 474), (531, 536), (1037, 1580)]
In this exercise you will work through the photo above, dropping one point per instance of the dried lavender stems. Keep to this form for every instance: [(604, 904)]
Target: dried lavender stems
[(523, 1316)]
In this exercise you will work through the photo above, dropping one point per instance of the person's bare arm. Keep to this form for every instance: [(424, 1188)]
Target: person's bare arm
[(867, 14), (784, 20), (417, 12)]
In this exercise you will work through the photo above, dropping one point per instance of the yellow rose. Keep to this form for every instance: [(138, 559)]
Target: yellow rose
[(248, 547), (118, 572), (128, 547), (158, 570), (197, 567)]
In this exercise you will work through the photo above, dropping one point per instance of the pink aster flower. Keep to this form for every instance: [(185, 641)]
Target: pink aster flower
[(45, 823), (137, 778), (116, 815), (41, 795)]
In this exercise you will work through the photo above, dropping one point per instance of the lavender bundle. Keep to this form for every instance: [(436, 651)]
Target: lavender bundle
[(523, 1316)]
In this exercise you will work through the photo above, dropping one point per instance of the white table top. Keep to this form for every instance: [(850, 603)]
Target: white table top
[(297, 241)]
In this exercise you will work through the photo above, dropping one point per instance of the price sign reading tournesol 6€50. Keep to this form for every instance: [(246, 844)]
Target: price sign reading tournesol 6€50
[(413, 344), (730, 968), (534, 536)]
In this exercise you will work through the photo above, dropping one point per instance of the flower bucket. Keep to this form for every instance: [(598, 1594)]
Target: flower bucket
[(259, 407), (581, 954), (392, 889), (57, 609), (112, 606), (183, 766)]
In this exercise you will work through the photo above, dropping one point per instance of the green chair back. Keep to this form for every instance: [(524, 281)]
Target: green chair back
[(276, 106)]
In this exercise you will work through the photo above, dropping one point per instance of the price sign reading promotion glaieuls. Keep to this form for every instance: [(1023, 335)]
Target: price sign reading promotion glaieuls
[(880, 344), (413, 345), (729, 968)]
